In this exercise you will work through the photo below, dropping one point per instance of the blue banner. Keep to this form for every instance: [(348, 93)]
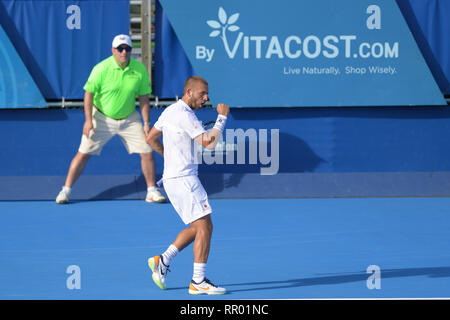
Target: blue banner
[(304, 53), (172, 67), (430, 25), (60, 41), (17, 88)]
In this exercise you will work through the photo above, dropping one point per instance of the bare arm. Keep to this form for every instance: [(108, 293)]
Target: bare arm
[(145, 112), (88, 103), (152, 140), (209, 139)]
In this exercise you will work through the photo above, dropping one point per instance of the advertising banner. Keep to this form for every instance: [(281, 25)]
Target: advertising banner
[(303, 53)]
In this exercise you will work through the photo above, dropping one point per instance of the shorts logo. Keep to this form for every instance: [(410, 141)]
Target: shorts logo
[(204, 204)]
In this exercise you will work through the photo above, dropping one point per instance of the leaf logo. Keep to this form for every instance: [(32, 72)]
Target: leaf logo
[(224, 24)]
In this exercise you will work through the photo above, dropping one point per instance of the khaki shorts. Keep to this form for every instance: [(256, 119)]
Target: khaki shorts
[(188, 197), (130, 131)]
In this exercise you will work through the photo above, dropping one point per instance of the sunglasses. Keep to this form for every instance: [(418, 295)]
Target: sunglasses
[(120, 49)]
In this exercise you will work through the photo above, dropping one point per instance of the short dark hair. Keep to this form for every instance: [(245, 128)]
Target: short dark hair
[(191, 80)]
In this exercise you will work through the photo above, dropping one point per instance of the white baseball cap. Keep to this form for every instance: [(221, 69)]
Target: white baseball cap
[(121, 39)]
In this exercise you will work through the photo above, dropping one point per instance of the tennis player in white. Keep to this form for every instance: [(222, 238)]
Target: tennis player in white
[(180, 129)]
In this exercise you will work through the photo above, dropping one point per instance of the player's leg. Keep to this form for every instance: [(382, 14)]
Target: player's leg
[(200, 284), (203, 228), (190, 201), (160, 264), (199, 231), (181, 198)]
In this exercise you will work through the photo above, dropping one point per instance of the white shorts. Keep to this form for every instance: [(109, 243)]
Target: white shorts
[(188, 197), (130, 131)]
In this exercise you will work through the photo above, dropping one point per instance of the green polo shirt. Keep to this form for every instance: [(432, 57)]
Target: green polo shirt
[(115, 89)]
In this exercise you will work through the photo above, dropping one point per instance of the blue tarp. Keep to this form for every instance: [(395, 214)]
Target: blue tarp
[(172, 67), (17, 88), (430, 24), (60, 41)]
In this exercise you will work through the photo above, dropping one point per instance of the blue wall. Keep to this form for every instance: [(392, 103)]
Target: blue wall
[(329, 152), (323, 152)]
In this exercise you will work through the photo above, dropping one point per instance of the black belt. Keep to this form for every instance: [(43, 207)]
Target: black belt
[(106, 115)]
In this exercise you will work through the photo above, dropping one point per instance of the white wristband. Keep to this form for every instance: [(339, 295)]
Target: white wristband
[(220, 122)]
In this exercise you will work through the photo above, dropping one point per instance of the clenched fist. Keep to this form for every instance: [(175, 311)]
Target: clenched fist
[(223, 109)]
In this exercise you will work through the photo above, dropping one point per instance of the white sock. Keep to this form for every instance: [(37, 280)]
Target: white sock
[(67, 190), (169, 254), (199, 272)]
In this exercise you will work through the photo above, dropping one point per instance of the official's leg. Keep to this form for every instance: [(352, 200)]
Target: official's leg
[(76, 168), (105, 128), (133, 137), (148, 168)]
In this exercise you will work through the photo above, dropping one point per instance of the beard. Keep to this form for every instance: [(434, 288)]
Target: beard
[(195, 103)]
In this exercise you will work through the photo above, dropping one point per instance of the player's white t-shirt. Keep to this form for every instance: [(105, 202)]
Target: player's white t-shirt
[(180, 126)]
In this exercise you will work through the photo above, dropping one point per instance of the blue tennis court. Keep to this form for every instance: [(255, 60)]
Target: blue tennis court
[(261, 249), (331, 179)]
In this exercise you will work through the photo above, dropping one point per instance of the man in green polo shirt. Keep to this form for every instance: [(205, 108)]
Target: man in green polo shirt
[(110, 109)]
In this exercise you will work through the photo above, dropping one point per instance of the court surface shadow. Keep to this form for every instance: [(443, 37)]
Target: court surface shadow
[(432, 272)]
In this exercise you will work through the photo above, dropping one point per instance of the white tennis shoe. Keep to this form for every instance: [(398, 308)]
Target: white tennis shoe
[(159, 271), (205, 287), (63, 197), (155, 196)]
